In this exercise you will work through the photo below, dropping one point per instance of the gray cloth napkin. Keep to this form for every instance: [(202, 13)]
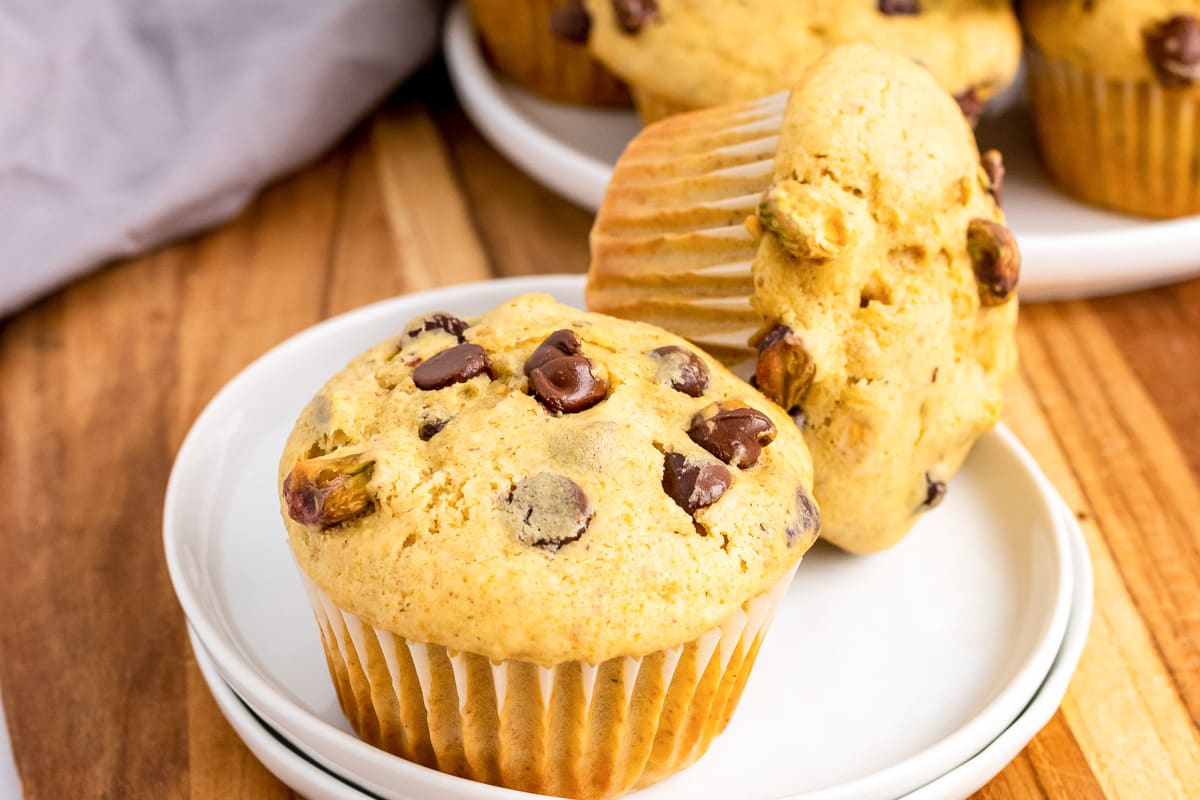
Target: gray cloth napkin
[(125, 123)]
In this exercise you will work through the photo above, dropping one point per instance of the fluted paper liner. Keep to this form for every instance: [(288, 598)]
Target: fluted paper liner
[(574, 729), (670, 244), (1130, 145)]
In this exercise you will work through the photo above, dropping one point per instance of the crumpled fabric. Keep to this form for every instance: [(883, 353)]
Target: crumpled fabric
[(126, 123)]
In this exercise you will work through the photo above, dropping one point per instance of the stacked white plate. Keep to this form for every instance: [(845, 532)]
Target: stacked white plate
[(917, 672), (1070, 249)]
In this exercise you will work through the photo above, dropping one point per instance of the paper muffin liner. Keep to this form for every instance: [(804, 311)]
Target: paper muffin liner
[(670, 244), (520, 42), (574, 729), (1130, 145)]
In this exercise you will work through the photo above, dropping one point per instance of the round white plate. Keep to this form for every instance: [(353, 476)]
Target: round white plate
[(881, 673), (314, 782), (1069, 249)]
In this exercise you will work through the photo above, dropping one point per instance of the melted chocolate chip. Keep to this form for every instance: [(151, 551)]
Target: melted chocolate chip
[(732, 432), (572, 22), (993, 165), (682, 369), (547, 511), (971, 105), (431, 428), (893, 7), (560, 343), (694, 485), (1173, 49), (440, 321), (632, 15), (460, 363), (808, 518), (935, 492), (566, 384)]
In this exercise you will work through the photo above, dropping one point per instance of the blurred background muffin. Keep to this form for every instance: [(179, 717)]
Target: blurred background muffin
[(1115, 91), (540, 44), (679, 55)]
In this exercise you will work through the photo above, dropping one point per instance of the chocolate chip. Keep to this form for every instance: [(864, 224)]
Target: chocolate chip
[(572, 22), (971, 104), (785, 369), (440, 321), (632, 15), (935, 492), (993, 165), (995, 258), (808, 518), (733, 432), (1173, 49), (893, 7), (566, 384), (547, 511), (694, 485), (460, 363), (560, 343), (431, 428), (682, 369)]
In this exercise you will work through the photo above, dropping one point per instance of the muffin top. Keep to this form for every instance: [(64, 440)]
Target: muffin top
[(703, 53), (544, 484), (886, 281), (1154, 40)]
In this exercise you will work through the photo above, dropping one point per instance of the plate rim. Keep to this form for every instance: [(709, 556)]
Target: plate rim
[(251, 685), (584, 178)]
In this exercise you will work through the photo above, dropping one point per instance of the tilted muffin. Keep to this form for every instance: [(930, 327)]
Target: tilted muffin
[(679, 55), (849, 251), (540, 44), (1115, 91), (543, 545)]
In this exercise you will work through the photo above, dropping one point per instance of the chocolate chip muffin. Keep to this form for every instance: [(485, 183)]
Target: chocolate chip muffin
[(543, 545), (1115, 91), (844, 245), (541, 45), (679, 55)]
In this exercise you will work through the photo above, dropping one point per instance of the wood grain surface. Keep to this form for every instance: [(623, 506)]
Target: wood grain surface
[(100, 382)]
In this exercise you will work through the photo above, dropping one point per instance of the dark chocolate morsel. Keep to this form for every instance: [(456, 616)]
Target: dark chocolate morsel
[(566, 384), (1173, 49), (632, 15), (560, 343), (682, 369), (547, 511), (455, 365), (440, 321), (431, 428), (808, 518), (733, 432), (894, 7), (694, 485), (935, 492), (572, 23)]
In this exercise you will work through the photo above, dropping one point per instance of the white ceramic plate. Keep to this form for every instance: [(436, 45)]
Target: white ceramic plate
[(1070, 249), (314, 782), (881, 673)]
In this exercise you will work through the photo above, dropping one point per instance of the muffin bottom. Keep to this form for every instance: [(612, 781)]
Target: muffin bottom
[(571, 729), (1128, 145)]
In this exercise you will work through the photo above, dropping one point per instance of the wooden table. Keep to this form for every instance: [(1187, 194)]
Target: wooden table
[(99, 383)]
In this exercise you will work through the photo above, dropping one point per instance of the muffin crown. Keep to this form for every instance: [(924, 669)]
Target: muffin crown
[(1141, 40), (544, 484), (702, 53)]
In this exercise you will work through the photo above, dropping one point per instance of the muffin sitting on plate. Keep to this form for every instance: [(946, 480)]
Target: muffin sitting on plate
[(678, 55), (543, 545), (1115, 90), (844, 243)]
